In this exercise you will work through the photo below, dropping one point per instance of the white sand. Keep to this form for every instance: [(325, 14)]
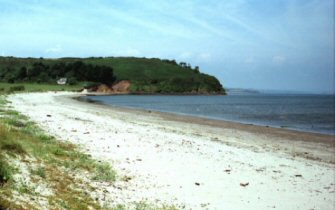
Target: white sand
[(188, 164)]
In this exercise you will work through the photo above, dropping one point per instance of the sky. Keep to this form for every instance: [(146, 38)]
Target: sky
[(258, 44)]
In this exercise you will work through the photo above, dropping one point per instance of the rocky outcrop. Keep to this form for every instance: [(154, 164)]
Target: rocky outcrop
[(120, 87)]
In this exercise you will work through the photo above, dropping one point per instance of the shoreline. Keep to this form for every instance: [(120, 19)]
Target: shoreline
[(222, 123), (283, 138), (188, 162)]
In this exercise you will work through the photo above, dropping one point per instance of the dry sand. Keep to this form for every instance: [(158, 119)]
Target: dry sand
[(191, 162)]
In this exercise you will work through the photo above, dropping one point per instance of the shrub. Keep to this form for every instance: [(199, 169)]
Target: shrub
[(39, 172), (5, 172), (88, 85), (13, 147), (17, 88), (104, 172), (10, 80), (72, 81)]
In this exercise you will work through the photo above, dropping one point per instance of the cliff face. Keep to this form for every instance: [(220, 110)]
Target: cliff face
[(120, 87)]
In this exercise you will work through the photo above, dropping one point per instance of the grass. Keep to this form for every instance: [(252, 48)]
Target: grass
[(5, 171), (13, 148), (6, 88), (104, 172), (40, 171), (57, 164)]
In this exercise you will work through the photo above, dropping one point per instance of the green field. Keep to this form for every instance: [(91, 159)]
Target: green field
[(34, 87)]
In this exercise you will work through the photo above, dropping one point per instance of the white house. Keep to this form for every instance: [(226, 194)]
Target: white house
[(62, 81)]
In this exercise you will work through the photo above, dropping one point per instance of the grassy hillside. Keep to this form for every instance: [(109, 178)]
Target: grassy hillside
[(146, 75)]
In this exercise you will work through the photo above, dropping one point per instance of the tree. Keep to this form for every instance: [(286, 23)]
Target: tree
[(20, 74), (182, 64), (58, 70), (196, 69), (43, 77), (105, 75), (36, 70)]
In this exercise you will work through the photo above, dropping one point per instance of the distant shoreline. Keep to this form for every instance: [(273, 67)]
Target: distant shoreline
[(155, 94)]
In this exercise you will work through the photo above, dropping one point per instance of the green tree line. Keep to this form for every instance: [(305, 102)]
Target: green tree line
[(43, 73)]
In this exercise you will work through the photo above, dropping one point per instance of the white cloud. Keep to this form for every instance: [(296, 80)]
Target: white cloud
[(204, 57), (185, 56), (278, 59), (131, 52), (56, 49)]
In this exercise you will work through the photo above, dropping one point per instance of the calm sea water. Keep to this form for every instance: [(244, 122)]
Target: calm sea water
[(312, 113)]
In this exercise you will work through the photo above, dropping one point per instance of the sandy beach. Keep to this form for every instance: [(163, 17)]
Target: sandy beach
[(190, 162)]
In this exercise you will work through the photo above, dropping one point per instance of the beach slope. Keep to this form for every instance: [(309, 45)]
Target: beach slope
[(191, 162)]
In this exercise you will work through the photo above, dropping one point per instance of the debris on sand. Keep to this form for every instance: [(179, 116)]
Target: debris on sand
[(244, 184)]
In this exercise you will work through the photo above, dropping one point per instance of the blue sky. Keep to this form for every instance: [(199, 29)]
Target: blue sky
[(261, 44)]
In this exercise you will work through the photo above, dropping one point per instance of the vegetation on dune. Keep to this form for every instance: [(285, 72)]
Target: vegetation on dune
[(38, 171), (31, 160), (146, 75)]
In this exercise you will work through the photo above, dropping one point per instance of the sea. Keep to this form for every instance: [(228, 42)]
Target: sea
[(310, 113)]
